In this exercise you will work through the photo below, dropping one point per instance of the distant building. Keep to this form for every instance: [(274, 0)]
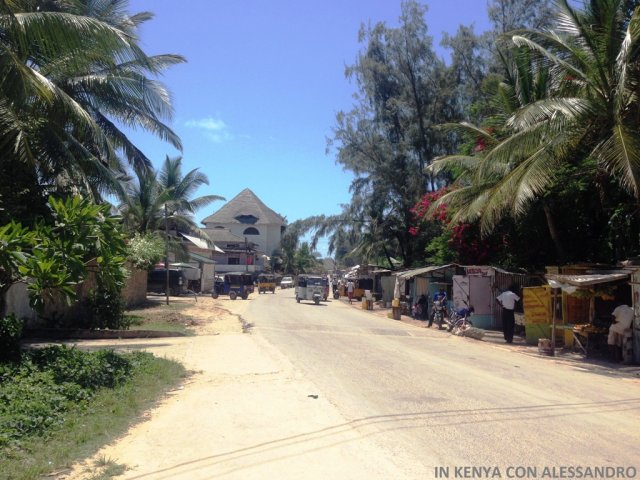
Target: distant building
[(247, 230)]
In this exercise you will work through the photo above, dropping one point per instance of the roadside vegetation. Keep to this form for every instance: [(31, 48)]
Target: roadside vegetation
[(58, 404), (73, 75), (520, 150)]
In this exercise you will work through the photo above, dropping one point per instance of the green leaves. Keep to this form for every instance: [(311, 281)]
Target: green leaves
[(55, 258), (71, 74)]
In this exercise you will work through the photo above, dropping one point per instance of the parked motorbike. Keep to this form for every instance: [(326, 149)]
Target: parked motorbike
[(459, 320), (438, 312)]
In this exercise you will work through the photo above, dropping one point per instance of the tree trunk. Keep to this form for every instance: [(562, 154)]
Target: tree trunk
[(386, 253), (553, 231)]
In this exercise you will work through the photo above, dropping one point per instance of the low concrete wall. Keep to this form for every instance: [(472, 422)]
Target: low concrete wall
[(17, 303), (17, 300), (78, 334)]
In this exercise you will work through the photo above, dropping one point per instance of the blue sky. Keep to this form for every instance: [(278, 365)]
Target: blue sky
[(257, 98)]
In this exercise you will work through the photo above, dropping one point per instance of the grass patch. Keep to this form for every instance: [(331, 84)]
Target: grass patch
[(160, 317), (107, 471), (78, 432)]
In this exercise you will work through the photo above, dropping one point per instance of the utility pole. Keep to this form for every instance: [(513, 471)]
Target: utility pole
[(166, 251), (246, 255)]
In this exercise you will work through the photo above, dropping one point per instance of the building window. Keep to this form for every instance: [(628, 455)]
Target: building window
[(234, 261), (250, 219), (251, 231)]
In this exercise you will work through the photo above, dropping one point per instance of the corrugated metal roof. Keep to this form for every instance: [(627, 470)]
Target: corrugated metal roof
[(198, 242), (419, 271), (587, 280), (200, 258), (203, 243)]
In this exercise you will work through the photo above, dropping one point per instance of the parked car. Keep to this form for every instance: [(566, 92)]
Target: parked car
[(286, 282), (157, 281)]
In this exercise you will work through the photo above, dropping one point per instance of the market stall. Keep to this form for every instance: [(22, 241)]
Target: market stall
[(425, 281), (600, 293), (479, 286)]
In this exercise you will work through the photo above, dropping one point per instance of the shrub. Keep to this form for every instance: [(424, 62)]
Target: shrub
[(37, 394), (10, 334), (144, 251), (107, 310), (90, 370)]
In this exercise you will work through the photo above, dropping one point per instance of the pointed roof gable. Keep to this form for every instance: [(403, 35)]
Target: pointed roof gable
[(245, 208)]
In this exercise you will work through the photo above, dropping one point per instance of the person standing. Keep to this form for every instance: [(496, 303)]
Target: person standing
[(507, 301), (350, 288)]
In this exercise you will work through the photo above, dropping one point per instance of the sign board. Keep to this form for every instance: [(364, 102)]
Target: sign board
[(479, 270), (537, 305)]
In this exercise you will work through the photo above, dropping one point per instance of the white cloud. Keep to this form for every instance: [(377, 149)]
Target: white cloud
[(213, 128)]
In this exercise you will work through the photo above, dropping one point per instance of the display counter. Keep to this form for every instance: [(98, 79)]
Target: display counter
[(589, 339)]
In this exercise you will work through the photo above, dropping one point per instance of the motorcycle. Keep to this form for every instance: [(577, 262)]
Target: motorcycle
[(459, 320), (438, 312)]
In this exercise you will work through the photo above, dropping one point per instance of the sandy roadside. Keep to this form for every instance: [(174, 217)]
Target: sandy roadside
[(246, 413), (208, 318)]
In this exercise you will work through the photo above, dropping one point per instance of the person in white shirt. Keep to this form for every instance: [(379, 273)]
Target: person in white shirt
[(507, 301), (622, 320), (350, 288)]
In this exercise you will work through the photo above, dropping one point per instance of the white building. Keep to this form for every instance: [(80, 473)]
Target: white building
[(247, 218)]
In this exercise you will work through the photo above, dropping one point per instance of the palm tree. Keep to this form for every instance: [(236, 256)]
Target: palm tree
[(152, 196), (180, 190), (584, 76), (594, 58), (67, 78), (491, 178)]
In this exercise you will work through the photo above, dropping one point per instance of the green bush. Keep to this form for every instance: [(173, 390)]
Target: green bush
[(144, 251), (90, 370), (107, 310), (10, 334), (56, 256), (37, 394)]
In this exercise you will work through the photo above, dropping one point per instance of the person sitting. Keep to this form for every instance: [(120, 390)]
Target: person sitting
[(420, 308), (439, 301), (622, 319)]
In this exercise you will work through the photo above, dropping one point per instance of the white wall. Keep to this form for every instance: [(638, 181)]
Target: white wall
[(267, 241)]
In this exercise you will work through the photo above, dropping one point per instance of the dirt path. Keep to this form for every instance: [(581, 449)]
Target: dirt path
[(208, 318), (246, 413)]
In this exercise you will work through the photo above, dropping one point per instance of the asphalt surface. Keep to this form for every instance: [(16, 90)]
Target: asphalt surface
[(333, 391)]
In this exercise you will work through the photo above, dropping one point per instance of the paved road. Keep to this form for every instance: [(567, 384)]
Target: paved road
[(434, 402), (334, 392)]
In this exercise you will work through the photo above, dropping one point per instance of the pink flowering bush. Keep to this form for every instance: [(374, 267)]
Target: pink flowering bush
[(447, 241)]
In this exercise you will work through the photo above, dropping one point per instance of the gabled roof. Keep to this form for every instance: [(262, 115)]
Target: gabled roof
[(245, 205)]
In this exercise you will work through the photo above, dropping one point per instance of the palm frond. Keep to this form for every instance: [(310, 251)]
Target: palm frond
[(620, 154)]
